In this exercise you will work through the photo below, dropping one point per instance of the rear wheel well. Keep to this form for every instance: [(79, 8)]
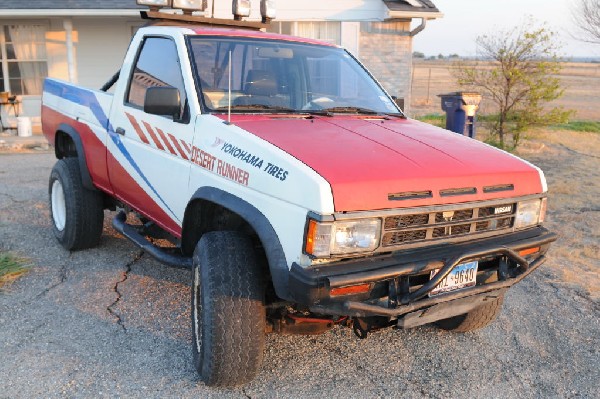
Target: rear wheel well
[(64, 146)]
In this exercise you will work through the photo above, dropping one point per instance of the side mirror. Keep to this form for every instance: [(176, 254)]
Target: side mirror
[(163, 101)]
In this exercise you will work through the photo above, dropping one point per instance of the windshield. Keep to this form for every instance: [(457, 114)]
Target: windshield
[(278, 76)]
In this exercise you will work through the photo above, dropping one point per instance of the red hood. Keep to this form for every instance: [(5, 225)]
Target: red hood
[(365, 160)]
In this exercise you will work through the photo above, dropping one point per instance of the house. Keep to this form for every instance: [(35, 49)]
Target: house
[(85, 41)]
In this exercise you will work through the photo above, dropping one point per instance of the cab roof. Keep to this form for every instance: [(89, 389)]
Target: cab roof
[(251, 34)]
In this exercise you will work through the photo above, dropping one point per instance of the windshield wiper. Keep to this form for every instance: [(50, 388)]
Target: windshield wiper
[(351, 110), (359, 110), (256, 107), (277, 108)]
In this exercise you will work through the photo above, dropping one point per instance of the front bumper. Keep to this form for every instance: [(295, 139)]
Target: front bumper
[(400, 281)]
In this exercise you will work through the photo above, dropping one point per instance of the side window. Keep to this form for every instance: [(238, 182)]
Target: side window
[(157, 65)]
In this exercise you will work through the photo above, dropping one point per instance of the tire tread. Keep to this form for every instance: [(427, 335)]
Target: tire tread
[(233, 329)]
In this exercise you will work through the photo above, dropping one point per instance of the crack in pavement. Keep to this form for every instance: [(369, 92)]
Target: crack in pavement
[(13, 199), (246, 394), (125, 276), (62, 274)]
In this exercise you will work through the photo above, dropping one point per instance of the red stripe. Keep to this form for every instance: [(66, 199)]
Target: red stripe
[(135, 196), (166, 141), (137, 128), (176, 144), (154, 138), (187, 147)]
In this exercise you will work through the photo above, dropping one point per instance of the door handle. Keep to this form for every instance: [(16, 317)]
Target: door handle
[(120, 131)]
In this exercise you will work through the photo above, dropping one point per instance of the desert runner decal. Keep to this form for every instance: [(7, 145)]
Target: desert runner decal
[(213, 164)]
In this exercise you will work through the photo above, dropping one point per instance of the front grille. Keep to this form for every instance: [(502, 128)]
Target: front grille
[(402, 237), (438, 224), (396, 222)]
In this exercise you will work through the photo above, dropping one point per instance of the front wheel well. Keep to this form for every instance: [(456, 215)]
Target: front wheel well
[(202, 216)]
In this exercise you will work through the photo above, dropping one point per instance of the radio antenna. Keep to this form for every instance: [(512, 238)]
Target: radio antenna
[(229, 92)]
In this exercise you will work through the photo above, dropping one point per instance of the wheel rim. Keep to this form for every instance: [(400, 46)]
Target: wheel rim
[(196, 311), (59, 207)]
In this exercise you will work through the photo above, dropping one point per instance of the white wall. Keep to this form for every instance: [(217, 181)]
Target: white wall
[(310, 10), (102, 44)]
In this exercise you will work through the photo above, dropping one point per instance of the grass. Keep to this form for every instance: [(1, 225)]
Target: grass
[(11, 267), (433, 119), (579, 126)]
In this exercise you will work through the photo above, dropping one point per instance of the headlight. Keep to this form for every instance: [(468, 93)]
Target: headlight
[(340, 238), (530, 213)]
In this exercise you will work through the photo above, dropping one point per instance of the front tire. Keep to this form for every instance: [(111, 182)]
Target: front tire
[(228, 313), (479, 317), (77, 214)]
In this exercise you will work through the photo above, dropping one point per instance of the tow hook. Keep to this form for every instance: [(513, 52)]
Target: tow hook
[(361, 327)]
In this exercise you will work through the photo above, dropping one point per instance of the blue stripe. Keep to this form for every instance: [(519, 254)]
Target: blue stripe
[(117, 140), (88, 99), (79, 96)]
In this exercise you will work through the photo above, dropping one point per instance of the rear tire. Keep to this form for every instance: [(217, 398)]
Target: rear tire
[(77, 214), (228, 313), (474, 320)]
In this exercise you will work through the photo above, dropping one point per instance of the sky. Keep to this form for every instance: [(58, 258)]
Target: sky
[(464, 20)]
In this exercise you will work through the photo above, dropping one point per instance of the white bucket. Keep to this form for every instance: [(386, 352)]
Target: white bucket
[(23, 126)]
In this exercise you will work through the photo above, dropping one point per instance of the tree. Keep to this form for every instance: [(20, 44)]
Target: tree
[(520, 79), (418, 54), (587, 17)]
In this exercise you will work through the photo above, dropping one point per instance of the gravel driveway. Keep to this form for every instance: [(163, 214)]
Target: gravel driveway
[(112, 322)]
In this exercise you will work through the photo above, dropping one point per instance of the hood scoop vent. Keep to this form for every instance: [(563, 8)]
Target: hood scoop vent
[(450, 192), (409, 195), (498, 188)]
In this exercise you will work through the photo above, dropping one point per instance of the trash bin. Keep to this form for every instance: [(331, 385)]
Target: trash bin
[(461, 111), (23, 126)]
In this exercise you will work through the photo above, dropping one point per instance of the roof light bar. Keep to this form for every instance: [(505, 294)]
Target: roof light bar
[(154, 5), (240, 9), (267, 10), (188, 6)]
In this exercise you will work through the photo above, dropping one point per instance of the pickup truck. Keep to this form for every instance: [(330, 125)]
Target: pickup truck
[(284, 176)]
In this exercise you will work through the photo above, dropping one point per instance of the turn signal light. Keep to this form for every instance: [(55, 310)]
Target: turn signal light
[(351, 289), (529, 251)]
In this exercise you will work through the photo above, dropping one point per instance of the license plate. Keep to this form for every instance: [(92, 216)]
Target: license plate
[(462, 276)]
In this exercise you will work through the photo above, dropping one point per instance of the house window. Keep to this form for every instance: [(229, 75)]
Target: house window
[(23, 59), (327, 31)]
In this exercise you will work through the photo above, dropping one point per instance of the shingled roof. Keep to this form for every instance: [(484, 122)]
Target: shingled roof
[(69, 4), (412, 5)]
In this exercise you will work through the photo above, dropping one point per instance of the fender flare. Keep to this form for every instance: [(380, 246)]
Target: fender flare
[(86, 179), (266, 233)]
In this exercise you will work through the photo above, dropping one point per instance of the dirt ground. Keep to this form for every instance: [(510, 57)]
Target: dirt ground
[(571, 162), (111, 322), (581, 82)]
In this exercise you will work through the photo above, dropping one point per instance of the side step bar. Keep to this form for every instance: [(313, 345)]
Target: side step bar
[(158, 253)]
